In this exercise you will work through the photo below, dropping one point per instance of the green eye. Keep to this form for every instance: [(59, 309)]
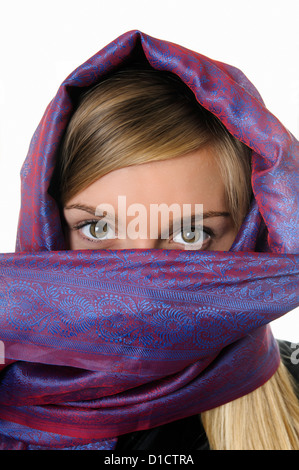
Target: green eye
[(191, 236), (99, 230), (195, 236)]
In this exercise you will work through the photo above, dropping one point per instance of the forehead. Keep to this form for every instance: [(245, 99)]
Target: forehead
[(189, 179)]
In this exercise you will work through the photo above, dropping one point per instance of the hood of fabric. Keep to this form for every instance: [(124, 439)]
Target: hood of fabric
[(102, 343), (222, 89)]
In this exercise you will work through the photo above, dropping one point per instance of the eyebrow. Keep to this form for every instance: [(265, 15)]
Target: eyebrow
[(193, 219), (92, 210)]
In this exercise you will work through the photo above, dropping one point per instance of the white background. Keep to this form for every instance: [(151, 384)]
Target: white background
[(42, 42)]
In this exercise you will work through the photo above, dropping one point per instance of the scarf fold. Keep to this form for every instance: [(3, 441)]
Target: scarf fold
[(102, 343)]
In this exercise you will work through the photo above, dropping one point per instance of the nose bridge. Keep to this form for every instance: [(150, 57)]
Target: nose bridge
[(139, 243), (138, 232)]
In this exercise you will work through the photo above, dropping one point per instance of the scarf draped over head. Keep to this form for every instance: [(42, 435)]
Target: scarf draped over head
[(102, 343)]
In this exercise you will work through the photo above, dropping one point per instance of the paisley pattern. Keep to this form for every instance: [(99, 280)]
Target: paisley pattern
[(101, 343), (132, 302)]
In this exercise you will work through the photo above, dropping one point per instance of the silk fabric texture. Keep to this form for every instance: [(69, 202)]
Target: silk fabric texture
[(101, 343)]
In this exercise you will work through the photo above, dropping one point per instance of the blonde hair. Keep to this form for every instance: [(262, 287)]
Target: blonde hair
[(266, 419), (138, 116), (135, 116)]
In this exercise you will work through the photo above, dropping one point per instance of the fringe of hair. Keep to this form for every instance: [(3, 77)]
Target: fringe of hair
[(141, 116)]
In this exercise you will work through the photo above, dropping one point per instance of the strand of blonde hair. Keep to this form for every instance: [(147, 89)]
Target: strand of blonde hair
[(265, 419)]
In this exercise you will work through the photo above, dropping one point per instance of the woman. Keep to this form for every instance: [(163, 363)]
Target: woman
[(127, 345)]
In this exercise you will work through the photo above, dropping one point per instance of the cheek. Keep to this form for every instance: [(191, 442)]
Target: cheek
[(71, 241), (226, 241)]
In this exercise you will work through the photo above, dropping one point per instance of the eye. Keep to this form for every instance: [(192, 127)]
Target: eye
[(195, 236), (98, 230)]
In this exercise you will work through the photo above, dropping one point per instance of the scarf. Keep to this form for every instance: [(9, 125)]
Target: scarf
[(102, 343)]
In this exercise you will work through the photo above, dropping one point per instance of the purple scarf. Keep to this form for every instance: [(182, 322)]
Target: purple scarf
[(102, 343)]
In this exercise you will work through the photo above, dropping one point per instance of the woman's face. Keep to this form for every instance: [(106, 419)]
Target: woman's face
[(132, 208)]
